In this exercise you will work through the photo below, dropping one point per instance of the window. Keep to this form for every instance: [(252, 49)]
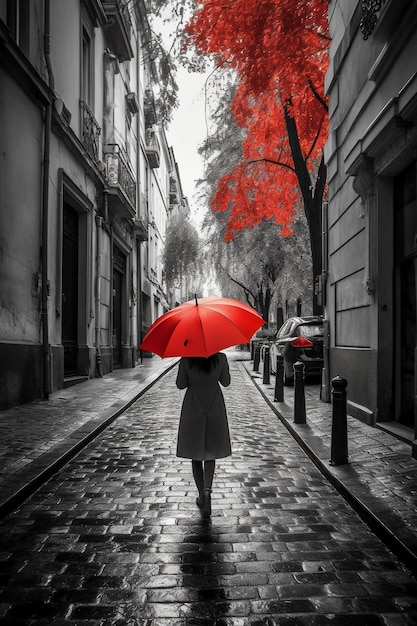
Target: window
[(310, 330), (87, 68), (285, 329), (17, 17), (90, 130)]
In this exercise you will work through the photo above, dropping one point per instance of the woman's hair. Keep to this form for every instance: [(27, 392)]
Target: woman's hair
[(203, 364)]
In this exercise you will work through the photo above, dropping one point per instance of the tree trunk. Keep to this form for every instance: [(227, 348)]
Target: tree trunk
[(313, 209), (267, 305), (312, 199), (264, 302)]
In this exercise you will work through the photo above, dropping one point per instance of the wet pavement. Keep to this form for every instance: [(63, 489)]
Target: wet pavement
[(37, 438), (115, 537), (380, 478)]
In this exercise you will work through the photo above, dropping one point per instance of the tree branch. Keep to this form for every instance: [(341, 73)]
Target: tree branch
[(318, 96), (315, 139), (286, 165), (245, 289)]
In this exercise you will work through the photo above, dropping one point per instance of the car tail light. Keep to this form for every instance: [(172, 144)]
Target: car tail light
[(301, 342)]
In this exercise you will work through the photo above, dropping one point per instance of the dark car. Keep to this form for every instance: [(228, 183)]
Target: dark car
[(263, 336), (299, 339)]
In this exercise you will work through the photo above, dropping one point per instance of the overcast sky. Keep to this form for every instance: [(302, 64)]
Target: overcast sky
[(188, 130)]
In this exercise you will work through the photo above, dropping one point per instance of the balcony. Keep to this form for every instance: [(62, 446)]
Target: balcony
[(121, 182), (153, 148), (96, 11), (149, 108), (141, 229), (90, 132), (173, 191), (142, 221), (118, 28)]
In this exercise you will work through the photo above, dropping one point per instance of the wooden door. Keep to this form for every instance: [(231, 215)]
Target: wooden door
[(70, 289)]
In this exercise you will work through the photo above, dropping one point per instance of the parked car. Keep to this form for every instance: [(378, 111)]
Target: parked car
[(263, 336), (299, 339)]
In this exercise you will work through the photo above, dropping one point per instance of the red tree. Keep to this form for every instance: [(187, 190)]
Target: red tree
[(279, 50)]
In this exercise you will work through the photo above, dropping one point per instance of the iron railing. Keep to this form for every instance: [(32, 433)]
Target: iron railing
[(90, 132), (119, 174), (153, 148)]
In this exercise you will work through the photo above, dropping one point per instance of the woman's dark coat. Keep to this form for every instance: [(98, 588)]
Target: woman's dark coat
[(203, 432)]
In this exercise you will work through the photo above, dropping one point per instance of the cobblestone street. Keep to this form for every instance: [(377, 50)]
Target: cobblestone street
[(116, 538)]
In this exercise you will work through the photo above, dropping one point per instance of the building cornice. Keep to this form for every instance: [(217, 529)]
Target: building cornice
[(390, 134)]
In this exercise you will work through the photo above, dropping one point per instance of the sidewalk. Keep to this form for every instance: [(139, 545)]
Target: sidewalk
[(37, 438), (380, 480)]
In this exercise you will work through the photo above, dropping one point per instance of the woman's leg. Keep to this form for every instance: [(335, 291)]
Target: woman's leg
[(209, 467), (198, 476)]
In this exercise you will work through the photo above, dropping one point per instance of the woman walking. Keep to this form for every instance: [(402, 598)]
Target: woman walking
[(203, 433)]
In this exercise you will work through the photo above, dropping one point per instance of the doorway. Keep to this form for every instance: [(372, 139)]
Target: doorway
[(70, 289), (405, 205), (119, 263)]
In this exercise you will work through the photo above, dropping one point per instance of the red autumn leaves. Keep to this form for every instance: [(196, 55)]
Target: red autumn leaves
[(278, 49)]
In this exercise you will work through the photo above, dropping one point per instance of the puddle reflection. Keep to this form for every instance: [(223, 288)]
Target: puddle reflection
[(201, 568)]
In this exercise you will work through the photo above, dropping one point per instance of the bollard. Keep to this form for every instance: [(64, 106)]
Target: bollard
[(267, 367), (279, 380), (299, 394), (339, 443), (256, 358)]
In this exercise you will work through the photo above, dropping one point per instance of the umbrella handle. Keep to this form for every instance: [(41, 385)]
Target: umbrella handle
[(196, 301)]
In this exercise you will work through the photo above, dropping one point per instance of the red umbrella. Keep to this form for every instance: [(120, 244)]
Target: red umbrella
[(202, 327)]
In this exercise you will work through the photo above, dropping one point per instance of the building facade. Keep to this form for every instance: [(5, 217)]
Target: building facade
[(84, 192), (371, 234)]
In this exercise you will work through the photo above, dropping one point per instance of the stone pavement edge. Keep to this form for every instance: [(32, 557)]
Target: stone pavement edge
[(380, 478), (38, 438)]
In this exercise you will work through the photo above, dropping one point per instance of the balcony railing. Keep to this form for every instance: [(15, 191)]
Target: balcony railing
[(118, 28), (120, 180), (173, 191), (90, 132), (149, 107), (172, 185), (153, 149)]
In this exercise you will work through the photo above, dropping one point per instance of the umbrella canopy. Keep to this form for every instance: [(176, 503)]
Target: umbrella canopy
[(202, 327)]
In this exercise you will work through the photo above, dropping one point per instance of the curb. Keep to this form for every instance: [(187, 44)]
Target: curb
[(407, 557), (51, 462)]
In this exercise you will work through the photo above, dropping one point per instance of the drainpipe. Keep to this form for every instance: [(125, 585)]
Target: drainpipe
[(325, 386), (46, 363), (99, 223), (111, 329), (139, 308)]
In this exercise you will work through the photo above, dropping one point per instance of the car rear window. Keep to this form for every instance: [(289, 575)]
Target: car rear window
[(310, 330)]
